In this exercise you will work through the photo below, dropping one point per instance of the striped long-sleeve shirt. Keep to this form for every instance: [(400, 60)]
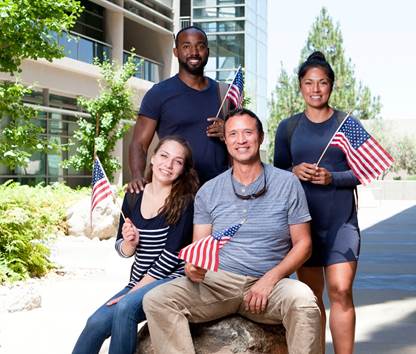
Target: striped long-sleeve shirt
[(159, 243)]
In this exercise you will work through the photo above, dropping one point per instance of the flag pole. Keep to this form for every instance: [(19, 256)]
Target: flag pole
[(97, 131), (94, 156), (327, 146), (229, 87)]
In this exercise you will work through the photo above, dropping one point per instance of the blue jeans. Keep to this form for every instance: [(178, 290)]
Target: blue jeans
[(118, 321)]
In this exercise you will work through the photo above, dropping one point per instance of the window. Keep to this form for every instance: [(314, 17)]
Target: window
[(58, 128), (222, 26)]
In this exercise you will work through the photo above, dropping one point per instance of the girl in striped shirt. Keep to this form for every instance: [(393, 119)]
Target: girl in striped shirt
[(158, 224)]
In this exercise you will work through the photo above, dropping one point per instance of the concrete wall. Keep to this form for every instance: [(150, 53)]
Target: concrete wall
[(398, 127), (389, 190)]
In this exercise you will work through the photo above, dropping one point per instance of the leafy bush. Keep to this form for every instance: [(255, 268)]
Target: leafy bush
[(401, 146), (29, 217)]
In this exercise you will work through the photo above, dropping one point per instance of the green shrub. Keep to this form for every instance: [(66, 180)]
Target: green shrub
[(29, 217)]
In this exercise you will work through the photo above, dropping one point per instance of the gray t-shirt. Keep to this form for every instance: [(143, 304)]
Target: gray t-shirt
[(263, 240)]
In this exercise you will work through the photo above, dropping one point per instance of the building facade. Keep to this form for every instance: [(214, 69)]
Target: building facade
[(106, 29), (237, 34), (109, 29)]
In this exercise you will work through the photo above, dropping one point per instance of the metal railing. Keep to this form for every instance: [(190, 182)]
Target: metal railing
[(82, 48), (185, 21), (147, 69)]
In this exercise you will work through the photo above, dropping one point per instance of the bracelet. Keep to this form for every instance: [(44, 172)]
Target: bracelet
[(121, 250)]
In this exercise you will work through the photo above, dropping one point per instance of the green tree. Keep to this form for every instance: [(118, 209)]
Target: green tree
[(27, 32), (401, 146), (101, 132), (348, 94), (27, 28)]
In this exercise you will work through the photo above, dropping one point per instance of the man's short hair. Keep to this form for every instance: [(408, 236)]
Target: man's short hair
[(243, 111), (189, 28)]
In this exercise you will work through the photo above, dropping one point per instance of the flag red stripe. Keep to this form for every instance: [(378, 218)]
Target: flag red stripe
[(99, 192), (98, 196), (212, 252), (365, 166), (374, 159), (98, 188), (234, 95), (205, 252), (196, 257), (381, 153), (102, 197), (99, 184), (386, 155), (368, 160), (355, 164), (366, 150), (216, 257), (371, 163), (374, 155)]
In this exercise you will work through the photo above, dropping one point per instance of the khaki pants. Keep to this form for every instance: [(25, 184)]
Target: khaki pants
[(171, 306)]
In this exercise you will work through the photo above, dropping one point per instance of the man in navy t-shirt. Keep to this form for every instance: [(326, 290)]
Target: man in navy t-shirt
[(183, 105)]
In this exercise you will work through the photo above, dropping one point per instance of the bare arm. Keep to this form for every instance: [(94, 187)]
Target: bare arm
[(144, 130), (256, 298), (197, 274)]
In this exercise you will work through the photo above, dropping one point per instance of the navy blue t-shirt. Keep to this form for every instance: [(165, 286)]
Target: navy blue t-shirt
[(182, 110)]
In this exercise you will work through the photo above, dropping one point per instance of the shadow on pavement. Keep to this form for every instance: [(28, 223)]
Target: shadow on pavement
[(391, 339), (387, 265)]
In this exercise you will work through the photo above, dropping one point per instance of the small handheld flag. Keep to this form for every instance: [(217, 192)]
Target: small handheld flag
[(204, 253), (101, 188), (236, 92), (365, 156)]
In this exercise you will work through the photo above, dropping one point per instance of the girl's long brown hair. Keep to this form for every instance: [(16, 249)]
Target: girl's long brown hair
[(184, 187)]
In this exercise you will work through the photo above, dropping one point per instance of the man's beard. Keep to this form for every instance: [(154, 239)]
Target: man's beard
[(198, 71)]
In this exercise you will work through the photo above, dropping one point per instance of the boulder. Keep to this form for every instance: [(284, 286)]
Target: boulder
[(105, 219), (229, 335), (22, 296)]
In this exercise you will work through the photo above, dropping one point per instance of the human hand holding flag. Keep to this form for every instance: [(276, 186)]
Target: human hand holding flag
[(204, 253), (235, 91)]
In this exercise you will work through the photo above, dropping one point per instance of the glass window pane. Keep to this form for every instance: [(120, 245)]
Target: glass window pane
[(223, 26), (216, 2), (222, 12), (228, 50), (85, 50), (70, 46)]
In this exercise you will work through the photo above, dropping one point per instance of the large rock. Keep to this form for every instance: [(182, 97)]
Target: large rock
[(230, 335), (105, 219), (22, 296)]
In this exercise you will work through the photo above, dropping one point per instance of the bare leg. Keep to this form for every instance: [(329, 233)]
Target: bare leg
[(314, 278), (339, 279)]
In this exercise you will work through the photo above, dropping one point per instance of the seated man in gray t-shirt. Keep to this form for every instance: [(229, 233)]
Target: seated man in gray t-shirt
[(272, 242)]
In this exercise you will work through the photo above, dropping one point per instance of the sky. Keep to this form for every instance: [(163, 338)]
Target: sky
[(379, 37)]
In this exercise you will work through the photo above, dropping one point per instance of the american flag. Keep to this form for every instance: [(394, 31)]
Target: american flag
[(236, 91), (101, 188), (366, 158), (204, 253)]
